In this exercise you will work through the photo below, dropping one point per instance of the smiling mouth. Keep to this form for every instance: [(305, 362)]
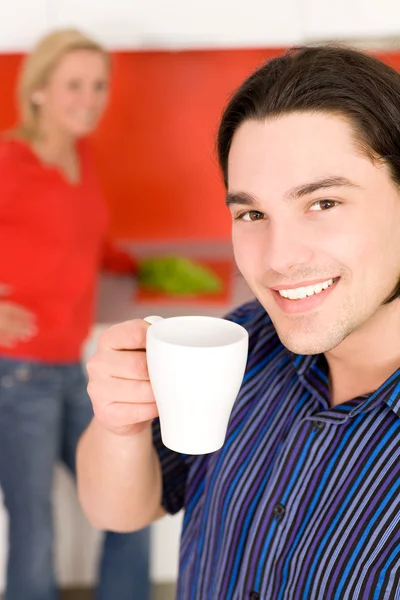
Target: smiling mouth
[(307, 291)]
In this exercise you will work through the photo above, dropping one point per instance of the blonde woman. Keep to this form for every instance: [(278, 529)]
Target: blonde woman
[(52, 237)]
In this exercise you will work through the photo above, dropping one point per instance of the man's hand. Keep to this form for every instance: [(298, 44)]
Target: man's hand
[(119, 384)]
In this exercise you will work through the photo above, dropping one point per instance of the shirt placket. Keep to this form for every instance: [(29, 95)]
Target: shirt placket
[(278, 508)]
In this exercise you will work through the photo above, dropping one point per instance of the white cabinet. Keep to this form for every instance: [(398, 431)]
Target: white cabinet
[(22, 22), (350, 19), (184, 23)]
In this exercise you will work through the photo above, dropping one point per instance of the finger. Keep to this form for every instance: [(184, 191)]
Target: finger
[(18, 326), (19, 313), (11, 338), (28, 334), (109, 390), (124, 365), (118, 415), (17, 329), (130, 335)]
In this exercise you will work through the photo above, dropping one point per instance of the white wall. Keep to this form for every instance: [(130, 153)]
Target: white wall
[(183, 24), (351, 19), (21, 22)]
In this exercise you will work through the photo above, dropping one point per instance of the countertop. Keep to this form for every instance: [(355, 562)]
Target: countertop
[(116, 301)]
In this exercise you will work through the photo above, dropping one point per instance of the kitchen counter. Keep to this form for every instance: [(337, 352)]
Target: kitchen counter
[(116, 301)]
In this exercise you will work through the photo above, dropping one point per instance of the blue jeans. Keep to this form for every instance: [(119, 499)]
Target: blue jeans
[(43, 412)]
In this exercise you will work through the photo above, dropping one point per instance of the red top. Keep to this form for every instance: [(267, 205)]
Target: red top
[(52, 238)]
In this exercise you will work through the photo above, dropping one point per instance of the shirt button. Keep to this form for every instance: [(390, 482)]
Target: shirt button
[(318, 426), (279, 511), (254, 596)]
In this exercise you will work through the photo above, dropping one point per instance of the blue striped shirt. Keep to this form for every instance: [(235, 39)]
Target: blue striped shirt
[(303, 500)]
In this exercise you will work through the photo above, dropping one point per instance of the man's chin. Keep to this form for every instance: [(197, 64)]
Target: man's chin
[(308, 344), (304, 348)]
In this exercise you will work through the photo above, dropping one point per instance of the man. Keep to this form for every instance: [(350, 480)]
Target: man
[(303, 500)]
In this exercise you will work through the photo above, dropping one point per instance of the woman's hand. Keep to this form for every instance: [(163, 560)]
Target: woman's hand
[(17, 324)]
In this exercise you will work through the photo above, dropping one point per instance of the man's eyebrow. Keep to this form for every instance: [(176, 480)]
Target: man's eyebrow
[(240, 198), (244, 199), (320, 184)]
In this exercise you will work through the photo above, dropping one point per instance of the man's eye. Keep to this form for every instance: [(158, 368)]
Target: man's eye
[(251, 215), (324, 205)]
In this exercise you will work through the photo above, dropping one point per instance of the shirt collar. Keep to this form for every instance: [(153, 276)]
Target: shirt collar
[(312, 371)]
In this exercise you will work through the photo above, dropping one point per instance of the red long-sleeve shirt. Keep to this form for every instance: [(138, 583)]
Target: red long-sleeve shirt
[(52, 236)]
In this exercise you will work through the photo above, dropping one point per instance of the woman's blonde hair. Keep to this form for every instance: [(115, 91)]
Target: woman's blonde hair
[(38, 67)]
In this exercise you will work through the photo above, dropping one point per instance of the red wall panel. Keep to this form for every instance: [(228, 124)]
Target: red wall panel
[(155, 146)]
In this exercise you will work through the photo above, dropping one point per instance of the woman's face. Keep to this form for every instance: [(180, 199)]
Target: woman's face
[(74, 98)]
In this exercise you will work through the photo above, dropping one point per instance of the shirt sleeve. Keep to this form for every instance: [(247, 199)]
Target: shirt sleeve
[(175, 470)]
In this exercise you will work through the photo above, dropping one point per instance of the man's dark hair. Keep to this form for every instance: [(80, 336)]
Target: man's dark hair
[(334, 79)]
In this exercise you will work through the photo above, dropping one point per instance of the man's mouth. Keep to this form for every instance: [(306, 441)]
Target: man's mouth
[(299, 293)]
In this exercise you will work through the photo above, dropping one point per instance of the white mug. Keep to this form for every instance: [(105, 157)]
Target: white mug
[(196, 367)]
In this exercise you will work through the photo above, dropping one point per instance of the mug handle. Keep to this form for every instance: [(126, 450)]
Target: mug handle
[(153, 319)]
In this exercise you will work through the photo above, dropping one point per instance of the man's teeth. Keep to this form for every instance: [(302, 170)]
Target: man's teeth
[(303, 292)]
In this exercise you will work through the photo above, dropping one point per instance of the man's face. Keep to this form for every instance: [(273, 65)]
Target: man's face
[(316, 227)]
